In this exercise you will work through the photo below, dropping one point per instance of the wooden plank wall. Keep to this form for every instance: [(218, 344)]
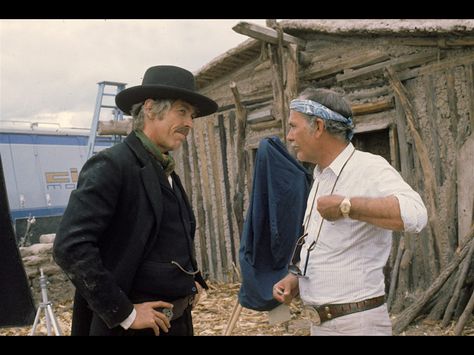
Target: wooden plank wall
[(440, 98), (441, 89), (210, 181)]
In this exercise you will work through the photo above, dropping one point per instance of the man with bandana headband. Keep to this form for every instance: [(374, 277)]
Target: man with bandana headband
[(357, 199)]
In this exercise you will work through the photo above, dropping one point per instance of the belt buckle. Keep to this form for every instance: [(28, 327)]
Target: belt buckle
[(312, 314)]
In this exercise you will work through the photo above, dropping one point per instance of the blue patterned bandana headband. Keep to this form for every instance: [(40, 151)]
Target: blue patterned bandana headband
[(313, 108)]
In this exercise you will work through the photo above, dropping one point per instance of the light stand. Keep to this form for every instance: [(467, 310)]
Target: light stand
[(46, 305)]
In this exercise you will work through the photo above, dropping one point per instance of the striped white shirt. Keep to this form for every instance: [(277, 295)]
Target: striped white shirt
[(347, 261)]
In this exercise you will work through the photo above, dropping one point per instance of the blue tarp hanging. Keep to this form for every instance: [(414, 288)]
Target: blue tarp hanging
[(273, 223)]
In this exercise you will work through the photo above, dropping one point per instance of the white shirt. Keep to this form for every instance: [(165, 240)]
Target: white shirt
[(347, 261), (129, 320)]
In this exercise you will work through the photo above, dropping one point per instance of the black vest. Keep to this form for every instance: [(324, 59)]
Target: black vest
[(165, 273)]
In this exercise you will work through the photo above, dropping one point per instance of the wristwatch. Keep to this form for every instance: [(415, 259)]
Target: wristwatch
[(345, 207)]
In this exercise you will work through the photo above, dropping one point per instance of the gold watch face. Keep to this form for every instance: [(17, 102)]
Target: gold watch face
[(345, 207)]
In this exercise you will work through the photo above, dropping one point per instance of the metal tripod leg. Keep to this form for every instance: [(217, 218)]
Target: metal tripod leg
[(53, 319), (50, 320), (46, 305), (35, 324)]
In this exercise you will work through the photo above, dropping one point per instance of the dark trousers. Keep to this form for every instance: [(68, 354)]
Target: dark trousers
[(183, 326)]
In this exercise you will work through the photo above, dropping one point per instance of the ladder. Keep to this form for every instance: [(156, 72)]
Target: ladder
[(117, 113)]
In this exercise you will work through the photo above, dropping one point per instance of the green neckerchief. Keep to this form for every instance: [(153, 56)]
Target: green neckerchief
[(166, 161)]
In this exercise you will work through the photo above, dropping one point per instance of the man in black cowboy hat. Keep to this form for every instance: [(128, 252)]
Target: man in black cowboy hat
[(126, 237)]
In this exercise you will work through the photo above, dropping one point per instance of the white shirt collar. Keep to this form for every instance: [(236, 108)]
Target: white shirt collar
[(337, 163)]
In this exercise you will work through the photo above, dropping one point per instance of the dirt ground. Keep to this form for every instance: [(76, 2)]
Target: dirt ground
[(211, 317)]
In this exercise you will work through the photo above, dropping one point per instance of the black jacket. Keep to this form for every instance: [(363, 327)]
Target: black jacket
[(109, 226)]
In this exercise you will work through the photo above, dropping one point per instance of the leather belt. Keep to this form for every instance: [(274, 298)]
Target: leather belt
[(325, 312), (179, 306)]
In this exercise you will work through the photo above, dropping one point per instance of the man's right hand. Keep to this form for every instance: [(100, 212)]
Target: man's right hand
[(149, 317), (286, 289)]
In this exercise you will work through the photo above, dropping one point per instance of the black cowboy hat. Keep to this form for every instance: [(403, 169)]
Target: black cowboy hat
[(166, 82)]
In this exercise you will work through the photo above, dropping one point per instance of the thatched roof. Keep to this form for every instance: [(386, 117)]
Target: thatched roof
[(228, 61), (250, 49), (389, 26)]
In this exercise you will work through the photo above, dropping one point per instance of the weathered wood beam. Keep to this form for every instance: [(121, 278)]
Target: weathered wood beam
[(283, 67), (363, 84), (394, 277), (410, 313), (440, 301), (238, 198), (398, 63), (265, 125), (325, 83), (315, 56), (436, 66), (428, 171), (211, 235), (470, 84), (120, 128), (292, 79), (206, 263), (394, 150), (402, 142), (459, 284), (246, 103), (218, 195), (451, 183), (432, 112), (371, 107), (372, 122), (266, 34), (335, 65), (225, 172), (279, 98), (380, 91), (466, 314), (439, 42)]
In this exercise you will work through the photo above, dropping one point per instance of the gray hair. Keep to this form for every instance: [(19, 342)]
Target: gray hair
[(333, 101), (159, 107)]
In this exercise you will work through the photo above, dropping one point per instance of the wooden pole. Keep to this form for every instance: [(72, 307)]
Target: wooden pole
[(241, 114), (464, 316), (225, 170), (441, 238), (457, 290), (266, 34), (234, 318), (405, 318), (393, 281)]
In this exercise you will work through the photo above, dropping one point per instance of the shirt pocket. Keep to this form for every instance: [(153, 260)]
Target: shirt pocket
[(335, 236)]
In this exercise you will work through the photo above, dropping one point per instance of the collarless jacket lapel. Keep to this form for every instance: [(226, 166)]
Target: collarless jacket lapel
[(148, 175)]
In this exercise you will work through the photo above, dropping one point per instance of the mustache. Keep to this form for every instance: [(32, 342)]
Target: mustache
[(183, 130)]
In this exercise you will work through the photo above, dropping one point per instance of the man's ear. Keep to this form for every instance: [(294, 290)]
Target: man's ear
[(148, 103), (318, 127)]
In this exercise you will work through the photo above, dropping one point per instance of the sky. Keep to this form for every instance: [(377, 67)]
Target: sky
[(49, 69)]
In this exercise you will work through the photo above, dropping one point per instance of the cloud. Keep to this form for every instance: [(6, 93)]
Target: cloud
[(49, 67)]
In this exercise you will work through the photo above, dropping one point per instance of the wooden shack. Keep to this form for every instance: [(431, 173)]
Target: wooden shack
[(411, 86)]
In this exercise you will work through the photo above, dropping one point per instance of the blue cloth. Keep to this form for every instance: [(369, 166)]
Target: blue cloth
[(273, 223)]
